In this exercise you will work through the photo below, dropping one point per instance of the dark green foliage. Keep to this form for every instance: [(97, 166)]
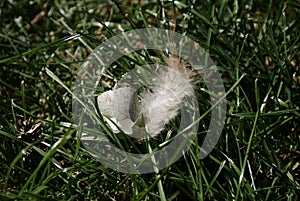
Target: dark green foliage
[(255, 44)]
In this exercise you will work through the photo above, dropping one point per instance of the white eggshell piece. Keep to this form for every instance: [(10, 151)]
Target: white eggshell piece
[(115, 105)]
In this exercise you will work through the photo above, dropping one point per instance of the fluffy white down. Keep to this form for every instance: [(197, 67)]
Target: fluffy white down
[(162, 102)]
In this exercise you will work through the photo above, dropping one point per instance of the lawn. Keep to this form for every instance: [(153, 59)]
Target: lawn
[(255, 46)]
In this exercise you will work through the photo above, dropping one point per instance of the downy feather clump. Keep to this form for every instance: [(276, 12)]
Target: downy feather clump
[(163, 100)]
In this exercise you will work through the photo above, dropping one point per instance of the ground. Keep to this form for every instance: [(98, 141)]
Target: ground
[(254, 44)]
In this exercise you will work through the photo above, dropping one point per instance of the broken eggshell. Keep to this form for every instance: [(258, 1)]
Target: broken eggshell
[(119, 107)]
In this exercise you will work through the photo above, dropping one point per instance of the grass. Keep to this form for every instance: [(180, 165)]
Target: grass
[(255, 44)]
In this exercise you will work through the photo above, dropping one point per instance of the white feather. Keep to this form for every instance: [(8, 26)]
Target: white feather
[(162, 102)]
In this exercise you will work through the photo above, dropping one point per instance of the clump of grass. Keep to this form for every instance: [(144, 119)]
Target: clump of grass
[(254, 44)]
